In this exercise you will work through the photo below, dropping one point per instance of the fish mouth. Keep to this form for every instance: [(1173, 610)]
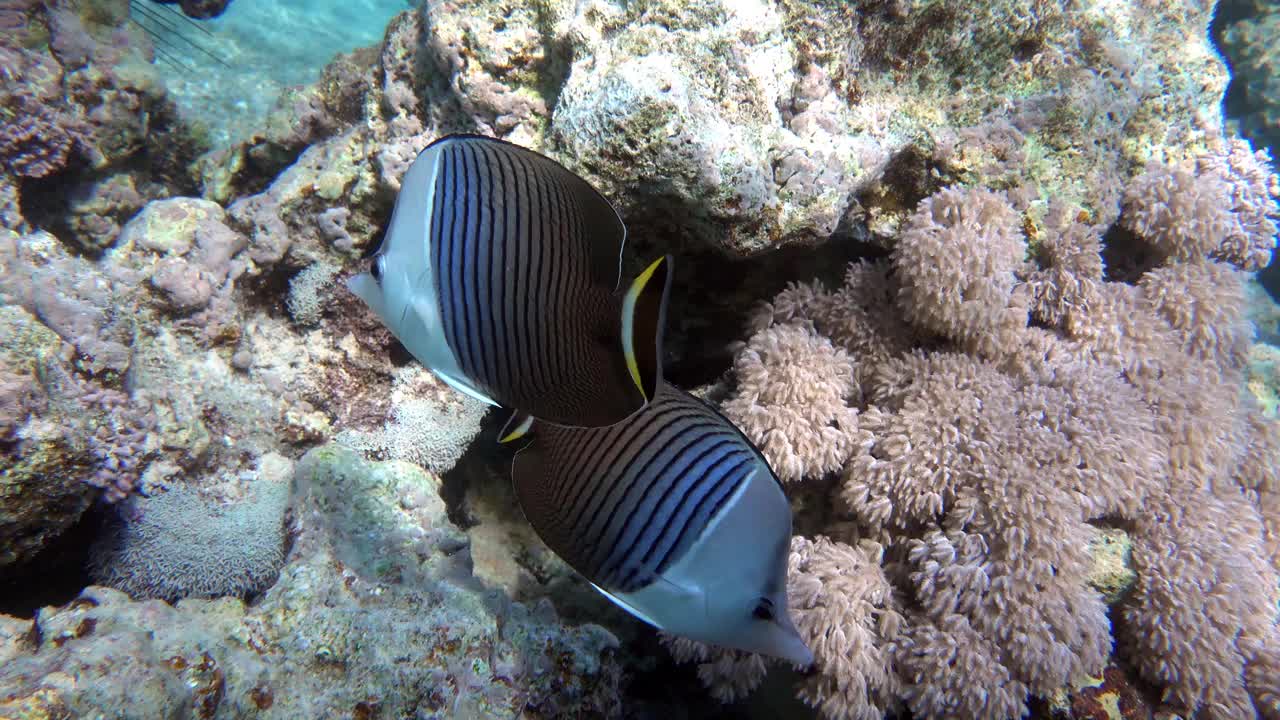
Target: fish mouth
[(796, 652)]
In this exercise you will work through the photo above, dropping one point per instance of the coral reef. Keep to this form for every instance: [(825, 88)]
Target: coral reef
[(989, 454), (1003, 372), (1221, 205), (42, 467), (431, 425), (1245, 29), (343, 633), (89, 135)]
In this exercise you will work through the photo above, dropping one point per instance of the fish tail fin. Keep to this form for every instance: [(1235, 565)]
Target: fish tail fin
[(644, 314), (517, 426)]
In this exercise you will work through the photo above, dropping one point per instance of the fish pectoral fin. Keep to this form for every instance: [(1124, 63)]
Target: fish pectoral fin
[(464, 388), (366, 288), (516, 427), (644, 314), (620, 602)]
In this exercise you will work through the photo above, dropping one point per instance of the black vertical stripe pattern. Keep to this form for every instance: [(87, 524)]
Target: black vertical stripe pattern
[(523, 305), (554, 227), (622, 503), (471, 240), (538, 308), (501, 268), (485, 240), (448, 182), (530, 366)]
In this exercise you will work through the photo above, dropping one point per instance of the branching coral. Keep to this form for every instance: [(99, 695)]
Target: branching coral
[(1027, 404)]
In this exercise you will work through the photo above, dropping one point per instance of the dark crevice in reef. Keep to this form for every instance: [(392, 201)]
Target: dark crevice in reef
[(1125, 257), (57, 574), (665, 689), (46, 201), (267, 292), (483, 459), (713, 297)]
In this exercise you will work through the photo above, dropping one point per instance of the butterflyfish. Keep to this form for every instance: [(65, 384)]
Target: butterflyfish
[(672, 514), (500, 272)]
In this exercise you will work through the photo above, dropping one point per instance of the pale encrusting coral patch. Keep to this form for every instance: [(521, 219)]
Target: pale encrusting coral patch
[(179, 544), (431, 424)]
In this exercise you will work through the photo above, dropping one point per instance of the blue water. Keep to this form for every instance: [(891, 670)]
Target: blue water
[(266, 45)]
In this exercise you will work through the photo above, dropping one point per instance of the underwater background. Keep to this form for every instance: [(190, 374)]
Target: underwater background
[(977, 278)]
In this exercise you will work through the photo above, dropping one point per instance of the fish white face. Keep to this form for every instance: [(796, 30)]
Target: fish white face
[(746, 606), (730, 589), (743, 571), (400, 285)]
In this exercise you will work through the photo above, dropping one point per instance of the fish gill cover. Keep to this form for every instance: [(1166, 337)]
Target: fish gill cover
[(972, 275)]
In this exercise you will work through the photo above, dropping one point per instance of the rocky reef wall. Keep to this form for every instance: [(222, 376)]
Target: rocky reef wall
[(972, 275)]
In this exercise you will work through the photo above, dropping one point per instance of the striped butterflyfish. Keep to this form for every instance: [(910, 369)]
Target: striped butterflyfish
[(500, 272), (672, 514)]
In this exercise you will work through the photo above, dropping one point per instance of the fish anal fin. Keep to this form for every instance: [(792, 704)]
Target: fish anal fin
[(630, 608), (535, 484), (644, 313), (517, 426)]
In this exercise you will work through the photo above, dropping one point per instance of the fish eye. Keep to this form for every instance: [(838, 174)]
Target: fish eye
[(375, 268), (764, 609)]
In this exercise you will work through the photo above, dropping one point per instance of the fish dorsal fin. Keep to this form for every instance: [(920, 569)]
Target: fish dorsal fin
[(516, 427), (644, 314), (606, 235)]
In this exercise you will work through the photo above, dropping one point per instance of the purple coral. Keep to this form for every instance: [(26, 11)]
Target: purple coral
[(39, 137), (120, 442), (37, 144), (19, 397)]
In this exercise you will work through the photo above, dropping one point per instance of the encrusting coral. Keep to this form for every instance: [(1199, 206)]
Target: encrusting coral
[(1032, 402)]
